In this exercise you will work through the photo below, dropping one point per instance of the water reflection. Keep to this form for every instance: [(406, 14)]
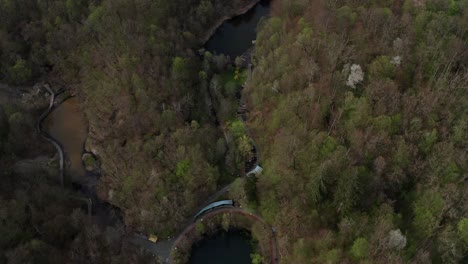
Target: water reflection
[(235, 36), (231, 247)]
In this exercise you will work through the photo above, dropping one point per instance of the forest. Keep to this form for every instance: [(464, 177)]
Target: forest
[(359, 110), (144, 91), (141, 83)]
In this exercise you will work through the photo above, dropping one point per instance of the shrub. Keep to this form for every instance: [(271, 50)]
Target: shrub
[(463, 230), (381, 68), (20, 73), (345, 17), (360, 248), (427, 212)]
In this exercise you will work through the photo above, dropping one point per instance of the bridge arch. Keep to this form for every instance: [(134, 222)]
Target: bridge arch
[(213, 206)]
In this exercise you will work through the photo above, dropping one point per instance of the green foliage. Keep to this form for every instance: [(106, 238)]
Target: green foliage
[(205, 10), (90, 161), (305, 36), (360, 248), (202, 75), (328, 146), (408, 6), (75, 8), (257, 258), (356, 111), (344, 152), (456, 6), (20, 73), (179, 67), (402, 155), (200, 227), (237, 77), (302, 250), (325, 149), (332, 256), (427, 213), (345, 17), (244, 145), (237, 128), (459, 130), (230, 89), (168, 120), (226, 222), (349, 189), (428, 140), (182, 168), (462, 228), (449, 246), (451, 172), (137, 82), (381, 68), (238, 62), (250, 189), (383, 123), (95, 17), (128, 185)]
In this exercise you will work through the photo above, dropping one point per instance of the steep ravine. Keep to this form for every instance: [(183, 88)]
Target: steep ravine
[(119, 141), (94, 148)]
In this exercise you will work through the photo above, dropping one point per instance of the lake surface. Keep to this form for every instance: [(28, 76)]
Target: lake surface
[(235, 36), (231, 247), (67, 124)]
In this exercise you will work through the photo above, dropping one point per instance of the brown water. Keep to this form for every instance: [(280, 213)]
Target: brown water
[(67, 124)]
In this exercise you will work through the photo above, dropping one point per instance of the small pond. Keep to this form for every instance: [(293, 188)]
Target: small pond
[(235, 36), (232, 247), (67, 124)]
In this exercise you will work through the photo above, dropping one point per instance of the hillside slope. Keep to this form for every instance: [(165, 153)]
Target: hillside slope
[(360, 110), (134, 66)]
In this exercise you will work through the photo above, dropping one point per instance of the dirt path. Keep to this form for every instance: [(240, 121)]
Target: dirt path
[(48, 137)]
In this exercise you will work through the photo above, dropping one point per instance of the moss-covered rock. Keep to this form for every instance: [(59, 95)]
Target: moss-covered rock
[(90, 162)]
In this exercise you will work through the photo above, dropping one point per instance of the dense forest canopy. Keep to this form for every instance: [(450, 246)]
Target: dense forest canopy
[(359, 110)]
